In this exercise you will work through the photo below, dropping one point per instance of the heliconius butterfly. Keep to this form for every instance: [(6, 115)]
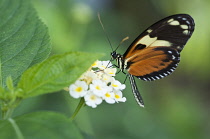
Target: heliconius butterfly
[(155, 53)]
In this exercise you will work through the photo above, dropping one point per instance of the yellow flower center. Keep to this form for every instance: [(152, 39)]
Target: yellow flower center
[(94, 64), (93, 97), (88, 79), (107, 95), (114, 85), (78, 89), (98, 87), (117, 96), (105, 78)]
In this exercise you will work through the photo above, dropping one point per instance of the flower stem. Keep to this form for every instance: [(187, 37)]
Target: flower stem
[(7, 108), (79, 106), (16, 128), (7, 114)]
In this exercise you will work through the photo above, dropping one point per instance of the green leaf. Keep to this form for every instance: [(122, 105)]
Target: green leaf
[(39, 125), (55, 73), (9, 83), (24, 39)]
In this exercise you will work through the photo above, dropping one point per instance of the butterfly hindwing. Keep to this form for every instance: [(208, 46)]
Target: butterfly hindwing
[(154, 54), (154, 63)]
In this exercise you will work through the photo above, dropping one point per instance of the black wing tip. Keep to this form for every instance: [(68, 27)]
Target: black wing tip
[(181, 15), (184, 17), (189, 17)]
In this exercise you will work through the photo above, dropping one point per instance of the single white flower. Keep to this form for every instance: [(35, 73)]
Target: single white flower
[(110, 71), (118, 97), (99, 74), (109, 97), (105, 64), (79, 89), (98, 87), (89, 76), (117, 85), (92, 100), (96, 64), (106, 78), (108, 64)]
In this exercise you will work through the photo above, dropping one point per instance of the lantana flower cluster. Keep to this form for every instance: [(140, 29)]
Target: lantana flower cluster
[(97, 85)]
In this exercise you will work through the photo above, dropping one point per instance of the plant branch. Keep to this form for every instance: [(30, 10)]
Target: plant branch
[(79, 106)]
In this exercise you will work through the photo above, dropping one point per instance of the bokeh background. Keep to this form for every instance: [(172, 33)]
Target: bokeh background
[(177, 107)]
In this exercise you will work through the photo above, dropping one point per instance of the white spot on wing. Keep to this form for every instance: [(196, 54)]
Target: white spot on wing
[(188, 22), (174, 23), (161, 76), (170, 20), (173, 57), (186, 32), (160, 43), (184, 26), (146, 40), (178, 47), (149, 30), (157, 77)]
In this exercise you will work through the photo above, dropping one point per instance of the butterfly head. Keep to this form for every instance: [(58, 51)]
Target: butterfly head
[(114, 55)]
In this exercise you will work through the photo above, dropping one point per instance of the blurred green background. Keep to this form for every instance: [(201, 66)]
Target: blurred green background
[(177, 107)]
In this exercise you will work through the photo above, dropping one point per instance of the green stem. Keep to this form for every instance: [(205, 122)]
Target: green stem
[(16, 128), (79, 106), (8, 108), (7, 114)]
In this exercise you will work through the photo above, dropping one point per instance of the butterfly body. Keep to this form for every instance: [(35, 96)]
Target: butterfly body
[(155, 53)]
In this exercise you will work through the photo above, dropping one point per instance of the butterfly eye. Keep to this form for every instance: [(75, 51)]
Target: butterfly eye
[(114, 55)]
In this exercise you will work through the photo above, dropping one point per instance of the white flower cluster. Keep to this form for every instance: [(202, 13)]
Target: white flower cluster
[(98, 84)]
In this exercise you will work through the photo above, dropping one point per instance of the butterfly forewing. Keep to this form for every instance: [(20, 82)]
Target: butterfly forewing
[(154, 54), (173, 31)]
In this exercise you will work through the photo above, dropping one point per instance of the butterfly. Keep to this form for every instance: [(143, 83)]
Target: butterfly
[(155, 53)]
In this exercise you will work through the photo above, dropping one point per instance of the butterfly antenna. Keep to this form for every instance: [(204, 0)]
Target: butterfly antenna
[(126, 38), (99, 18)]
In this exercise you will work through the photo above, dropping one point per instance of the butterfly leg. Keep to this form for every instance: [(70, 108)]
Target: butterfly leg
[(135, 91), (122, 72), (118, 72), (111, 65), (125, 78), (114, 66)]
